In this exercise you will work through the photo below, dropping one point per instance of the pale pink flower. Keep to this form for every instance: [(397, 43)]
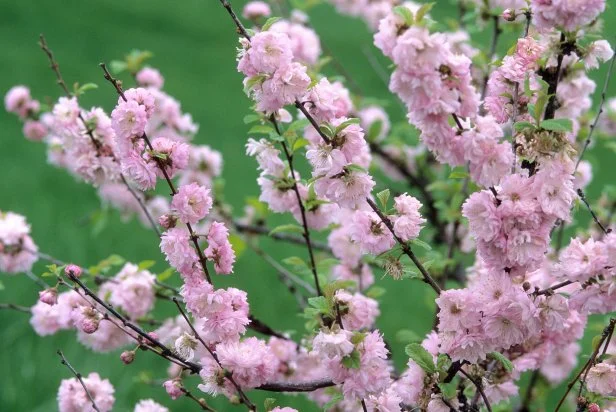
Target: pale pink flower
[(283, 87), (148, 405), (175, 244), (35, 130), (370, 233), (409, 222), (305, 43), (150, 77), (569, 15), (73, 398), (18, 101), (327, 101), (219, 249), (192, 203), (358, 311), (602, 379), (267, 51), (333, 344), (256, 9), (49, 296), (134, 291), (128, 120), (250, 361), (139, 171)]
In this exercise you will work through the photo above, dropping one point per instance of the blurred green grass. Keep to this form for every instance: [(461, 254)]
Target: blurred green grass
[(194, 46)]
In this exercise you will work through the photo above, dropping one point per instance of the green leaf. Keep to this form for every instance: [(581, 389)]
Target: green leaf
[(458, 174), (421, 244), (251, 118), (294, 261), (374, 131), (252, 82), (332, 402), (375, 292), (423, 10), (557, 125), (448, 390), (357, 338), (405, 13), (407, 336), (287, 228), (355, 168), (261, 129), (269, 404), (269, 23), (146, 264), (527, 90), (84, 88), (344, 125), (519, 126), (238, 244), (596, 341), (542, 101), (421, 357), (162, 276), (352, 360), (443, 362), (299, 143), (117, 66), (503, 360), (383, 197)]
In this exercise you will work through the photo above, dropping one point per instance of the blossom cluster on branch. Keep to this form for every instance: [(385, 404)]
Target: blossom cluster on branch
[(492, 155)]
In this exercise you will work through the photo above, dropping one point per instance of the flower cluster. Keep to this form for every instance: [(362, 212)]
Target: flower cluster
[(17, 249)]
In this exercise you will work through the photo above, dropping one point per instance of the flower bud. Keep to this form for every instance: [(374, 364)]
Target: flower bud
[(49, 296), (89, 320), (508, 15), (167, 220), (128, 356), (593, 407), (173, 388), (526, 286), (73, 270)]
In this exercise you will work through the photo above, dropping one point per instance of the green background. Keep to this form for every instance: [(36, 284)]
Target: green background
[(194, 45)]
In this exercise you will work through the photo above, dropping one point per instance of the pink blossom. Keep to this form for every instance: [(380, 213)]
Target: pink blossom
[(358, 311), (581, 261), (219, 249), (305, 44), (18, 100), (73, 398), (570, 15), (139, 171), (370, 233), (286, 84), (375, 118), (256, 9), (602, 379), (128, 120), (175, 244), (192, 203), (480, 210), (333, 344), (343, 247), (49, 296), (34, 130), (250, 361), (149, 77), (141, 96), (173, 387), (171, 154), (348, 189), (326, 101), (267, 51), (148, 405), (134, 291), (408, 223)]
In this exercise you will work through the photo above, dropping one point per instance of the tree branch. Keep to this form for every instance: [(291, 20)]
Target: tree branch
[(65, 362)]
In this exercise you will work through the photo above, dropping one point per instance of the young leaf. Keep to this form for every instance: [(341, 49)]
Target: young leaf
[(542, 101), (423, 10), (421, 357), (287, 228), (344, 125), (519, 126), (261, 129), (161, 277), (421, 244), (557, 125), (503, 360), (269, 23), (146, 264), (405, 13), (383, 198), (352, 360)]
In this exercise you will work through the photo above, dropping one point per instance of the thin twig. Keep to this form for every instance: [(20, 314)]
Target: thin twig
[(479, 389), (229, 376), (608, 331), (405, 248), (97, 145), (596, 121), (296, 386), (592, 213), (262, 230), (163, 169), (65, 362), (551, 289), (13, 306)]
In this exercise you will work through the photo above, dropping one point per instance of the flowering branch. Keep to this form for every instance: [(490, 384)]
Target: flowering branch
[(296, 387), (65, 362), (161, 166), (606, 335), (608, 76), (228, 376), (592, 213), (406, 248), (60, 80)]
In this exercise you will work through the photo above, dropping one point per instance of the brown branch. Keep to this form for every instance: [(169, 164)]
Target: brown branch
[(479, 387), (161, 166), (97, 145), (405, 248), (592, 213), (551, 289), (296, 386), (65, 362), (596, 121), (13, 306), (229, 376)]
